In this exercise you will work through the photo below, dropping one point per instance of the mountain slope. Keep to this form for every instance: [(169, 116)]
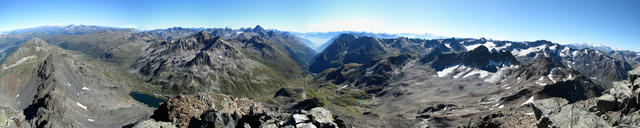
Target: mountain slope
[(51, 87), (239, 67)]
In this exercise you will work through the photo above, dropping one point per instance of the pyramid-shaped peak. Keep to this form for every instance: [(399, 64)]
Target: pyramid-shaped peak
[(203, 35), (258, 28), (347, 36), (36, 42), (480, 50)]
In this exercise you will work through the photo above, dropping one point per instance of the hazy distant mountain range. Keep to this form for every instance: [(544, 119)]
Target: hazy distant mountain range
[(92, 76), (320, 40)]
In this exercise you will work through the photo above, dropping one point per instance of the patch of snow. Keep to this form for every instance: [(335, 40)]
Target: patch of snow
[(570, 77), (508, 88), (550, 76), (22, 60), (553, 47), (471, 47), (81, 106), (504, 46), (565, 52), (458, 75), (530, 100), (528, 114), (18, 95), (448, 45), (91, 120), (498, 75), (490, 45), (525, 52), (501, 106), (482, 73), (540, 81), (68, 84), (85, 88), (447, 71), (574, 53)]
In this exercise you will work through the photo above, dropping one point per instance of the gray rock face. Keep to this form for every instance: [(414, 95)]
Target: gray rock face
[(154, 124), (607, 102), (555, 115), (299, 118), (201, 63), (321, 115), (52, 87)]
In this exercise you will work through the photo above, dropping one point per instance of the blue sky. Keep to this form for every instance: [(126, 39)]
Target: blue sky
[(611, 22)]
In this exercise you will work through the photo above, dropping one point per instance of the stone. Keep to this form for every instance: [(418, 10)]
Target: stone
[(569, 116), (154, 124), (305, 125), (548, 106), (299, 118), (607, 102), (321, 115), (217, 119)]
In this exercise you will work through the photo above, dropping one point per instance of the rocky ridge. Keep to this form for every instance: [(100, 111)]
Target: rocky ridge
[(218, 110)]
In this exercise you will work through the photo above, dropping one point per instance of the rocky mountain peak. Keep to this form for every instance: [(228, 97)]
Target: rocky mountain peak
[(347, 37), (479, 57), (35, 42), (258, 29), (546, 63), (202, 35), (480, 50)]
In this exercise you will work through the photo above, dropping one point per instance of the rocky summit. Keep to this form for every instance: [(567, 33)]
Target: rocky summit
[(104, 77)]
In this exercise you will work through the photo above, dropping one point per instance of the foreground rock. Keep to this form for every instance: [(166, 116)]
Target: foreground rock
[(154, 124), (218, 110)]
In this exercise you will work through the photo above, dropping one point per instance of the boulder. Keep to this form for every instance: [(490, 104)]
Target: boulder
[(548, 106), (607, 102), (569, 116), (154, 124), (217, 120), (305, 125), (321, 115), (299, 118)]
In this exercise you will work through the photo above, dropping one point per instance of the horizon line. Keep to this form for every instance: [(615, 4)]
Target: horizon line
[(138, 29)]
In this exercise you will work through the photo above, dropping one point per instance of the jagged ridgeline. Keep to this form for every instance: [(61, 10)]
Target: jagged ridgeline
[(44, 85), (446, 81), (244, 66), (88, 76)]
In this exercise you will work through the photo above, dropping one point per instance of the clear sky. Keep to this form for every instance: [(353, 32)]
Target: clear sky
[(611, 22)]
